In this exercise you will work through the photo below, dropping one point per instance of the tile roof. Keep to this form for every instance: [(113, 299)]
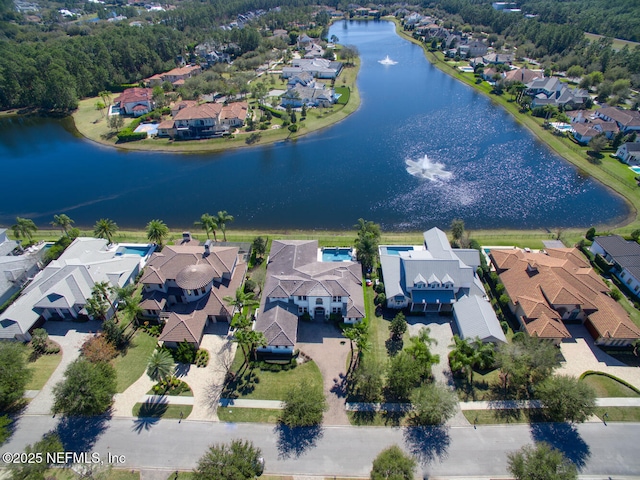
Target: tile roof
[(133, 95), (542, 284), (197, 112)]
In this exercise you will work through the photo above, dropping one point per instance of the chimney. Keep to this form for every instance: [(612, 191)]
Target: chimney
[(207, 247), (186, 237)]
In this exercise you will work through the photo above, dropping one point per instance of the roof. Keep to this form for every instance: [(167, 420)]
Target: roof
[(279, 323), (627, 118), (475, 318), (197, 112), (294, 270), (523, 75), (547, 285), (135, 95), (625, 253), (68, 281), (196, 276)]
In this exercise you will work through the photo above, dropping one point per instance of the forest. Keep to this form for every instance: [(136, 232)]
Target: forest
[(53, 63)]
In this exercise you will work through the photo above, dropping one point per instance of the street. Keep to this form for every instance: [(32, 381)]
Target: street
[(610, 450)]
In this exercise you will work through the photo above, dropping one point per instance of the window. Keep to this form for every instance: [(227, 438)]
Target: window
[(305, 309), (318, 301), (203, 290), (335, 310), (637, 288), (337, 299), (189, 292)]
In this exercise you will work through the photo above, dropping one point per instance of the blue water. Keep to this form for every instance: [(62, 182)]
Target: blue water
[(336, 254), (395, 250), (635, 169), (501, 176), (127, 250)]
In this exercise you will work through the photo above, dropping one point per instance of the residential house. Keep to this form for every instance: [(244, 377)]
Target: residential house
[(625, 256), (181, 74), (204, 120), (313, 50), (492, 59), (16, 266), (135, 101), (475, 318), (176, 107), (550, 288), (429, 277), (551, 91), (298, 282), (184, 287), (580, 116), (629, 153), (304, 78), (317, 97), (522, 75), (584, 132), (628, 120), (61, 290), (475, 48), (318, 67), (610, 129)]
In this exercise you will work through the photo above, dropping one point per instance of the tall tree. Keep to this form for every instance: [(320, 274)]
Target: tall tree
[(540, 462), (304, 405), (433, 404), (208, 224), (100, 302), (393, 464), (566, 398), (241, 299), (457, 230), (366, 243), (222, 219), (259, 247), (87, 389), (160, 365), (157, 232), (15, 373), (24, 228), (239, 460), (467, 355), (63, 222), (105, 228)]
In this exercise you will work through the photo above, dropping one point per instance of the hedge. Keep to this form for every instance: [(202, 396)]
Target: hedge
[(127, 135), (274, 112)]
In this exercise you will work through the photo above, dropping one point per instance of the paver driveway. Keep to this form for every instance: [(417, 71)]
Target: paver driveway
[(324, 343)]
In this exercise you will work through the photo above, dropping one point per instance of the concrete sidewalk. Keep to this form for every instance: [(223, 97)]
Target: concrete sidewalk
[(245, 403)]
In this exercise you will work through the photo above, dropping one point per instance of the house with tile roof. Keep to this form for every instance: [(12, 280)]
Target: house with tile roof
[(318, 67), (135, 101), (204, 120), (522, 75), (184, 286), (625, 256), (61, 290), (551, 288), (584, 132), (298, 282)]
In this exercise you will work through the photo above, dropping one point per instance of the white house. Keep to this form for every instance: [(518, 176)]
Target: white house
[(298, 283), (629, 153), (429, 277), (625, 256), (16, 266), (61, 290)]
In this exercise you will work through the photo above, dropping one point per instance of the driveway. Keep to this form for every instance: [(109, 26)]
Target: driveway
[(581, 354), (70, 336), (324, 343)]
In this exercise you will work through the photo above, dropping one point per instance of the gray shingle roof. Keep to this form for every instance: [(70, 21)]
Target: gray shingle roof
[(475, 318)]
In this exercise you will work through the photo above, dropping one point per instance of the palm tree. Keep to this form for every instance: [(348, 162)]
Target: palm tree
[(100, 301), (24, 227), (157, 231), (130, 301), (208, 224), (63, 221), (105, 228), (160, 365), (222, 220), (241, 300)]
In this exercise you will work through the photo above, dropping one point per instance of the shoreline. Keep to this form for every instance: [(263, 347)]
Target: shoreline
[(631, 198), (83, 127)]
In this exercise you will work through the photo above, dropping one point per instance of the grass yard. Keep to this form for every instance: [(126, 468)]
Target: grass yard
[(619, 414), (42, 369), (256, 384), (131, 366), (378, 329), (248, 415), (148, 410), (617, 44), (493, 417), (606, 386), (480, 390)]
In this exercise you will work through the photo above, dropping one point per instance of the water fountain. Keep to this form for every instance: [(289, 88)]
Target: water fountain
[(425, 168), (387, 61)]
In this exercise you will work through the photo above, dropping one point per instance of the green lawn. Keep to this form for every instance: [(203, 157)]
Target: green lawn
[(492, 417), (480, 390), (131, 366), (619, 414), (146, 410), (256, 384), (252, 415), (42, 369), (605, 386)]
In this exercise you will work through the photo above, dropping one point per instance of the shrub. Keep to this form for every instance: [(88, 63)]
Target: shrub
[(591, 234), (379, 287), (602, 263), (380, 299), (98, 349), (504, 299), (500, 289), (127, 135), (170, 386), (505, 326), (615, 294), (185, 353), (249, 285), (305, 317), (202, 358), (293, 128)]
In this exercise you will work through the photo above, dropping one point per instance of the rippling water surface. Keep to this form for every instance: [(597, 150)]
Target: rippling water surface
[(497, 173)]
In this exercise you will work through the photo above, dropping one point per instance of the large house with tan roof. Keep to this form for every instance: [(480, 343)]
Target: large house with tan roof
[(135, 101), (299, 283), (176, 77), (548, 289), (184, 287), (205, 120)]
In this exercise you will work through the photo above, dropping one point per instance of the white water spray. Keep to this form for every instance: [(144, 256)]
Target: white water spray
[(387, 61), (425, 168)]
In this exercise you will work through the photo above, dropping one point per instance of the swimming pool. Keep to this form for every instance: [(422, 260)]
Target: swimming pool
[(635, 169), (141, 250), (336, 254), (563, 127), (396, 249)]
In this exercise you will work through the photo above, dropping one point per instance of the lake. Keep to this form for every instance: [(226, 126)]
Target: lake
[(422, 150)]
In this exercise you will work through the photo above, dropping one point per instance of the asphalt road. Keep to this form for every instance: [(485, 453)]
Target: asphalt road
[(597, 449)]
